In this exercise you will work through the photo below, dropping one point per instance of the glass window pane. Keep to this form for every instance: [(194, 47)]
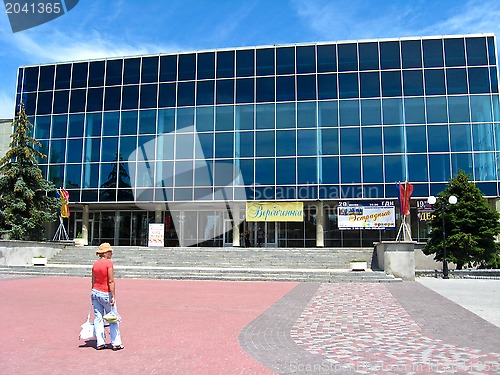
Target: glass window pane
[(494, 79), (328, 113), (127, 146), (348, 85), (90, 175), (460, 137), (476, 51), (306, 115), (436, 110), (434, 82), (264, 143), (394, 169), (59, 126), (245, 117), (206, 65), (79, 76), (131, 71), (168, 68), (456, 81), (286, 142), (285, 60), (479, 80), (285, 88), (417, 168), (73, 176), (285, 171), (224, 145), (350, 169), (265, 116), (306, 59), (327, 58), (482, 135), (350, 141), (413, 84), (45, 103), (207, 146), (480, 106), (454, 52), (285, 115), (165, 147), (439, 167), (372, 140), (245, 144), (147, 122), (204, 119), (264, 171), (265, 62), (245, 63), (225, 64), (185, 92), (128, 124), (462, 162), (330, 170), (391, 84), (349, 112), (368, 56), (185, 119), (92, 150), (371, 112), (77, 101), (130, 97), (184, 146), (438, 138), (114, 72), (458, 107), (112, 98), (416, 139), (373, 169), (224, 118), (433, 53), (75, 150), (46, 77), (327, 86), (94, 99), (484, 166), (369, 84), (329, 141), (167, 95), (111, 123), (183, 174), (411, 54), (348, 57), (307, 171), (75, 125), (394, 139), (225, 91), (389, 55), (149, 71), (414, 111), (109, 151), (392, 111), (187, 67), (245, 90), (63, 74), (166, 120), (61, 101), (265, 89), (42, 127), (148, 96), (307, 143)]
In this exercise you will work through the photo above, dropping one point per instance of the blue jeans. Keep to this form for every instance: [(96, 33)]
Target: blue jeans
[(101, 302)]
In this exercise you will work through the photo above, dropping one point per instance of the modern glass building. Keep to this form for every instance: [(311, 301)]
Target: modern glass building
[(188, 139)]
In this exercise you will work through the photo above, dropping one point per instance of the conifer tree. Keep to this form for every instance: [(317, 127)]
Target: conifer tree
[(470, 227), (27, 200)]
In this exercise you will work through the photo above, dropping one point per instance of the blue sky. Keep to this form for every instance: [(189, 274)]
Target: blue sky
[(99, 29)]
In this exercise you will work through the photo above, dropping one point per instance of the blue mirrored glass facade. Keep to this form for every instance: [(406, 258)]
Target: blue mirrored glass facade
[(325, 121)]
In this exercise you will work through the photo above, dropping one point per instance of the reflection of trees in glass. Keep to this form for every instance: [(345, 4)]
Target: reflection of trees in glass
[(118, 178)]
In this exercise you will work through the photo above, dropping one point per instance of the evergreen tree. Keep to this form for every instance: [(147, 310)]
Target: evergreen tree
[(26, 198), (470, 225)]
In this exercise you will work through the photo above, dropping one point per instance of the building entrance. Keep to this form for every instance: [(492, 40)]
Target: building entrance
[(262, 234)]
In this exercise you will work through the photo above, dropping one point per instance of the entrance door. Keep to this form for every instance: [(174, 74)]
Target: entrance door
[(228, 233), (265, 234), (271, 234)]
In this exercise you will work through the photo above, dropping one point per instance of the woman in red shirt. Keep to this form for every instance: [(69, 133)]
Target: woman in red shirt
[(104, 297)]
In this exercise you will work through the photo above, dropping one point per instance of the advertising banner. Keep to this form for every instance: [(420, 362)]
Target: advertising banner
[(275, 211), (366, 215), (156, 235)]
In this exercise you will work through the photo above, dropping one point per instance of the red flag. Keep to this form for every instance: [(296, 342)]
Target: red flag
[(405, 192)]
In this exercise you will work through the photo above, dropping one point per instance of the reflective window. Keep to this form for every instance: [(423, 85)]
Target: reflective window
[(491, 51), (417, 168), (95, 99), (29, 103), (391, 84), (462, 162), (264, 143), (392, 111), (185, 94), (350, 169), (109, 151), (46, 77), (327, 58), (73, 176), (31, 79), (128, 123), (147, 122), (348, 57), (439, 167), (79, 76), (165, 147), (77, 101), (285, 115), (394, 169), (372, 140), (389, 55), (112, 98), (348, 85), (149, 72), (416, 139), (59, 126), (265, 89), (225, 64), (285, 60), (307, 171), (433, 53), (329, 141), (148, 96), (111, 122), (164, 173), (436, 110), (75, 126), (245, 90), (264, 116), (206, 65), (61, 101), (225, 91), (285, 171), (460, 137), (207, 146), (168, 68), (307, 143), (224, 145), (130, 97), (75, 151), (166, 120), (127, 146), (114, 72), (90, 176), (286, 142), (187, 67), (285, 88), (184, 146), (264, 171), (44, 103), (373, 169), (494, 79), (434, 82), (96, 73), (224, 118), (166, 97), (330, 167), (411, 54), (245, 117), (327, 86), (394, 139), (63, 74), (484, 166), (480, 106), (349, 112), (245, 144), (245, 63), (350, 141), (92, 149), (183, 177), (369, 84), (306, 59), (42, 127), (414, 111), (368, 56), (328, 113), (479, 80), (306, 87), (454, 52), (204, 119), (413, 83), (265, 62), (476, 51), (456, 80), (458, 107), (108, 179), (482, 135), (306, 115), (56, 174), (185, 119), (438, 138), (371, 112), (247, 170)]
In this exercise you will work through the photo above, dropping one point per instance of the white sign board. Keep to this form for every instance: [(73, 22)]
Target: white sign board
[(156, 235), (379, 215)]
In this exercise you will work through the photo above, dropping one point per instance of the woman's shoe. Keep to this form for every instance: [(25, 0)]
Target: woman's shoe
[(119, 347), (101, 347)]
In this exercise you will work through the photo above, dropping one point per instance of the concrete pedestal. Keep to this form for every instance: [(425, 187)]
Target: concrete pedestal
[(397, 258)]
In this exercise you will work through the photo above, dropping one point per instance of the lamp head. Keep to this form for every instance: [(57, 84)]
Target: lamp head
[(431, 199), (452, 199)]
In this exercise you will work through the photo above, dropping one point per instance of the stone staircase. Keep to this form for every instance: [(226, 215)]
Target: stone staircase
[(191, 263)]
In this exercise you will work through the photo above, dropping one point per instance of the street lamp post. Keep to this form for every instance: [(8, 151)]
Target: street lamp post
[(451, 200)]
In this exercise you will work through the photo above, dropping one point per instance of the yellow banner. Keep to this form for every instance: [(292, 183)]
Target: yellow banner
[(275, 211)]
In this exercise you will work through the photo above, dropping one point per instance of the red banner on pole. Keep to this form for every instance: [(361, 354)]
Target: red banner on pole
[(405, 191)]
